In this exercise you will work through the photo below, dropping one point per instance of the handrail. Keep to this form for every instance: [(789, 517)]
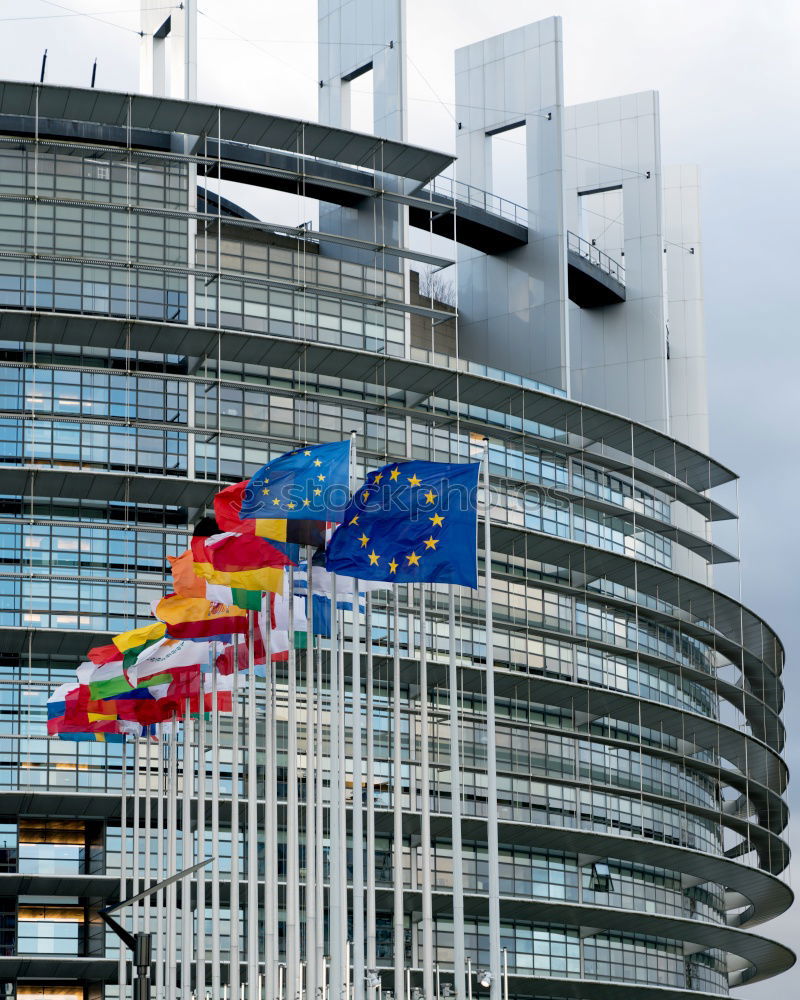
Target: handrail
[(452, 190), (596, 256)]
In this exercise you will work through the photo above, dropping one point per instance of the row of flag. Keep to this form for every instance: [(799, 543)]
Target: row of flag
[(409, 522)]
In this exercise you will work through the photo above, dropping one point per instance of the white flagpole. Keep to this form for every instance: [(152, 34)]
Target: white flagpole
[(234, 971), (341, 794), (273, 822), (312, 971), (335, 892), (200, 942), (459, 956), (320, 829), (172, 867), (215, 880), (270, 835), (338, 810), (358, 807), (252, 818), (292, 865), (372, 959), (135, 849), (148, 826), (425, 826), (123, 862), (160, 868), (397, 810), (491, 748), (187, 856)]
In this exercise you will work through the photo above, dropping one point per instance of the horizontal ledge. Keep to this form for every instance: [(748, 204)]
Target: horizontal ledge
[(769, 895), (599, 429)]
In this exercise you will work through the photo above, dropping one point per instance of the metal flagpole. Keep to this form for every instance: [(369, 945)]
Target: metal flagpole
[(215, 894), (252, 817), (172, 867), (292, 831), (270, 833), (123, 856), (459, 957), (312, 970), (358, 806), (334, 897), (341, 717), (234, 971), (274, 957), (372, 959), (135, 847), (491, 747), (160, 867), (397, 810), (341, 795), (200, 942), (425, 825), (148, 825), (187, 858), (320, 831)]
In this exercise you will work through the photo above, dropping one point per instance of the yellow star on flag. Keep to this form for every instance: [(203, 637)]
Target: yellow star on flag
[(430, 497), (414, 480), (265, 491), (437, 519), (377, 479), (365, 496), (321, 478), (392, 566), (277, 502), (394, 475), (317, 492), (355, 519), (373, 558), (291, 505), (431, 543), (413, 559), (317, 462), (308, 453), (306, 502), (363, 539)]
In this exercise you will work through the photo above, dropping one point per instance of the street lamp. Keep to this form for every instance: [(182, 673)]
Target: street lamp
[(485, 978), (141, 943)]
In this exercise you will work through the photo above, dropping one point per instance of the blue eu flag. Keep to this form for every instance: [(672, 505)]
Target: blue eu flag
[(411, 522), (311, 482)]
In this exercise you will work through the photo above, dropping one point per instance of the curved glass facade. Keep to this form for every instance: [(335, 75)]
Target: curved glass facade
[(639, 779)]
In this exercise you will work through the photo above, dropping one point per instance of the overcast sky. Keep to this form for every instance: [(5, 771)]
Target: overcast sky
[(729, 102)]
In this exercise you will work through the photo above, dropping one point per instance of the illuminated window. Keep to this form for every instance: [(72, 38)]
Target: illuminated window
[(50, 992), (51, 847), (49, 929)]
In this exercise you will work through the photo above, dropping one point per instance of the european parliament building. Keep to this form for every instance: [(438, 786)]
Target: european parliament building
[(159, 340)]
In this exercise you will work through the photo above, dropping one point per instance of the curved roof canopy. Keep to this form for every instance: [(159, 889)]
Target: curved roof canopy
[(252, 128)]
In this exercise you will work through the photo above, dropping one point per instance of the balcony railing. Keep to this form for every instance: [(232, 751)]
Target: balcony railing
[(596, 256), (446, 187)]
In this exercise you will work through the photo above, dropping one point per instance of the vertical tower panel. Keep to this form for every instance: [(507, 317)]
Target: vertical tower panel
[(619, 353), (514, 304), (687, 339)]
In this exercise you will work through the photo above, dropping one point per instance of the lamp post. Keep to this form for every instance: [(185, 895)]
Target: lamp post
[(141, 943)]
